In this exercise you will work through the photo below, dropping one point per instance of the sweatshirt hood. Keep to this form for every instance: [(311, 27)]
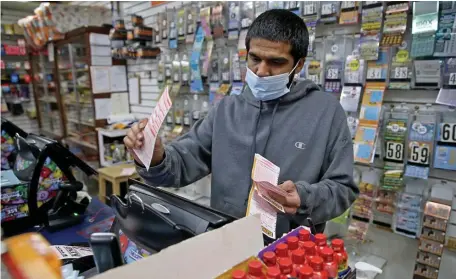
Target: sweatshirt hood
[(298, 90)]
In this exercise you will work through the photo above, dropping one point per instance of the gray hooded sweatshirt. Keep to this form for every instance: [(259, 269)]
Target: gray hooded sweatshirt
[(304, 132)]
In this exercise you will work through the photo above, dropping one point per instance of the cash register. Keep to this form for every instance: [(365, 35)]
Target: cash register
[(45, 190)]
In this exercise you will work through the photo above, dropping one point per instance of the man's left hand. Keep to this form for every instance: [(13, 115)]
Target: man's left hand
[(291, 202)]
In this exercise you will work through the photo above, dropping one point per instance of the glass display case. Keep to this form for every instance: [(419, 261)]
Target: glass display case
[(74, 58), (48, 101)]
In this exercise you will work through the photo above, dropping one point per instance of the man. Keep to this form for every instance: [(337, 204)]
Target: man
[(297, 127)]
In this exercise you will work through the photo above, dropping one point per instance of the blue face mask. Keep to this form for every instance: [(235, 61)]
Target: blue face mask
[(268, 88)]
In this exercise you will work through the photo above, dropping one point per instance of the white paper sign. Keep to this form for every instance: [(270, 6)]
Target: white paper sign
[(102, 108), (374, 73), (419, 153), (118, 77), (133, 90), (119, 103), (394, 151), (150, 132), (448, 132), (452, 80), (100, 79)]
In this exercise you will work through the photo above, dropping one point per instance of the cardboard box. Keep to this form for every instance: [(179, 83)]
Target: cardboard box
[(204, 256)]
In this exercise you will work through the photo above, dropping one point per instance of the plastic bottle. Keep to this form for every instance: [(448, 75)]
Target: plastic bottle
[(238, 274), (187, 116), (309, 249), (298, 259), (286, 268), (282, 250), (196, 108), (305, 272), (293, 244), (340, 255), (317, 265), (273, 273), (270, 259), (204, 109), (320, 242), (303, 236), (255, 270), (329, 264), (178, 112)]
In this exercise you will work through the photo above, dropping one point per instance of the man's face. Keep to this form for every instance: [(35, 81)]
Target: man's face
[(268, 58)]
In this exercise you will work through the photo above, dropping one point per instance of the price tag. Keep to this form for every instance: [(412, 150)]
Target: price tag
[(332, 73), (419, 153), (353, 77), (448, 132), (309, 9), (401, 72), (394, 151), (452, 80), (327, 9), (374, 73)]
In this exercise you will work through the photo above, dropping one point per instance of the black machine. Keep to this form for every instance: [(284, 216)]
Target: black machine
[(155, 219), (45, 165)]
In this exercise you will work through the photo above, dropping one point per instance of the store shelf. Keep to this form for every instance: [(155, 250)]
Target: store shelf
[(48, 100), (113, 133), (50, 134), (85, 123), (78, 141), (65, 71)]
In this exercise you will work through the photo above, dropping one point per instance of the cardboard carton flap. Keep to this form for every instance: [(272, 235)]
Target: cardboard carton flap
[(203, 256)]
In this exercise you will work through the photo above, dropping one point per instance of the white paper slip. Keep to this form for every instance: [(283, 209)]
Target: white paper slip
[(71, 252), (264, 170), (150, 132), (258, 205)]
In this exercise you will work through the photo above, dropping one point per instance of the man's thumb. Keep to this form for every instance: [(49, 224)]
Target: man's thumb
[(142, 123)]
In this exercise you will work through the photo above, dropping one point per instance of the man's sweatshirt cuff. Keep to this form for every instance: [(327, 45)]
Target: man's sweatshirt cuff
[(157, 170), (307, 197)]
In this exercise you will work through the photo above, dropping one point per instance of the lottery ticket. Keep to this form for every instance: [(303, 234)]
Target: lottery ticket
[(150, 132)]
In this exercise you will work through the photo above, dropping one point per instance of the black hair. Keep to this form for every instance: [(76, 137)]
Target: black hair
[(281, 26)]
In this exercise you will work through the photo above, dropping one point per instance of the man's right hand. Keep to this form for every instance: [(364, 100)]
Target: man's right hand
[(135, 140)]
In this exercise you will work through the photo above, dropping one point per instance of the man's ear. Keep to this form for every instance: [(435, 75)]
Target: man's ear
[(300, 65)]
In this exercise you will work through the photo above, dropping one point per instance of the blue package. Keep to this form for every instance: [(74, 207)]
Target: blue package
[(445, 157), (371, 113), (364, 151), (376, 96)]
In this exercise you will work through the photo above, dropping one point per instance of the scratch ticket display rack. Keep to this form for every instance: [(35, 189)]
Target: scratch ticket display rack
[(431, 243)]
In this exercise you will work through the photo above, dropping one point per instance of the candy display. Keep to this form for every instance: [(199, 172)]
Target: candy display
[(14, 199), (7, 147)]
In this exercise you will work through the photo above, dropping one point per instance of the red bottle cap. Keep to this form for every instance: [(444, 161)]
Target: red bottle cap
[(298, 256), (269, 258), (305, 272), (238, 274), (282, 250), (293, 243), (337, 244), (327, 254), (316, 263), (286, 266), (309, 248), (320, 239), (255, 268), (304, 235), (273, 273)]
